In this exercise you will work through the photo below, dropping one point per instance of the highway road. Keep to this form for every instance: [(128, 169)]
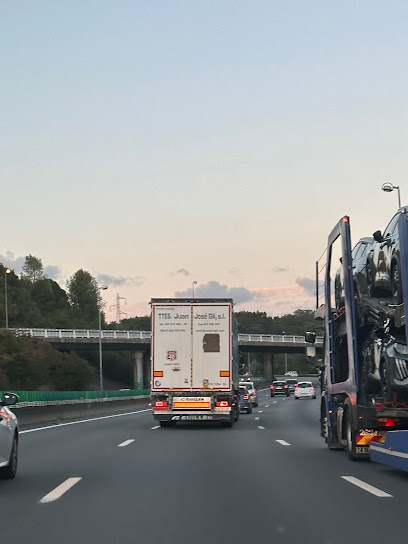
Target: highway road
[(268, 479)]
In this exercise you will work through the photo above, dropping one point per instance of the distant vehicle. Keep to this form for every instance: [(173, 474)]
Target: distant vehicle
[(8, 437), (305, 390), (251, 391), (245, 403), (384, 261), (359, 257), (292, 383), (279, 388)]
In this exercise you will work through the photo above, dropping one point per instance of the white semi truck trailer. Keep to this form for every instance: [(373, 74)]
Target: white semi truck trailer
[(194, 370)]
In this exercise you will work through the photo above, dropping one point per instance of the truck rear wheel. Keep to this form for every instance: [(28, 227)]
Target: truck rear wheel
[(227, 423), (351, 437), (167, 423)]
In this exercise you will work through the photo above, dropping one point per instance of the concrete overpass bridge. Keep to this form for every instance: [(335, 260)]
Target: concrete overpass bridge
[(139, 342)]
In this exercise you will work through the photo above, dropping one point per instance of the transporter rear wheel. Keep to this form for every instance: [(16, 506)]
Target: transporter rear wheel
[(351, 437), (167, 423)]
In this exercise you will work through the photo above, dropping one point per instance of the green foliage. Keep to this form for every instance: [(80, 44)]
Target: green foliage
[(83, 294), (32, 269), (29, 364), (135, 324)]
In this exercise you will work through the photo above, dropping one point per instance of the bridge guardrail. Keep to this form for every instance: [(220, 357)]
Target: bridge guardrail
[(146, 335)]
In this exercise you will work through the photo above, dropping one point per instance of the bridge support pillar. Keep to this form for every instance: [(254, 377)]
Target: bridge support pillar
[(138, 380), (268, 366)]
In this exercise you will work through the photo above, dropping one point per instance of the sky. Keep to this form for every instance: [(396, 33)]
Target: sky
[(156, 143)]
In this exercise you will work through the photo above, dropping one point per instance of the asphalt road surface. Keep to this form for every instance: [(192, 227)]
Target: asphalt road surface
[(268, 479)]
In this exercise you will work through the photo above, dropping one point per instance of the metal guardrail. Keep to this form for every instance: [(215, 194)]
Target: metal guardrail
[(146, 335)]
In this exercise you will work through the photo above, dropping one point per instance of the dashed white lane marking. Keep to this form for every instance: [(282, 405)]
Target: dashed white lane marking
[(275, 401), (83, 421), (260, 427), (126, 443), (257, 419), (57, 493), (283, 442), (367, 487), (266, 405), (260, 411), (156, 427)]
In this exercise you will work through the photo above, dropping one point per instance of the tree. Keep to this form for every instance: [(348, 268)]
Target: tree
[(83, 294), (32, 269)]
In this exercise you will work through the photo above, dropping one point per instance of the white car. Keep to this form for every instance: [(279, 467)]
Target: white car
[(305, 390), (291, 373), (8, 437), (252, 392)]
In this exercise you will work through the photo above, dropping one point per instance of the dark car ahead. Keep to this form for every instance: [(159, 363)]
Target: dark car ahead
[(291, 383), (245, 402), (279, 388), (359, 259), (384, 273)]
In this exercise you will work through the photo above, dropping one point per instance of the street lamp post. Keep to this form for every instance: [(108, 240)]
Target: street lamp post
[(194, 283), (389, 187), (101, 288), (8, 271)]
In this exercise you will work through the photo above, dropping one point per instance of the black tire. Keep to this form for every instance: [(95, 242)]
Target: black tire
[(297, 398), (249, 411), (272, 395), (396, 284), (167, 423), (236, 417), (314, 396), (9, 472), (351, 438)]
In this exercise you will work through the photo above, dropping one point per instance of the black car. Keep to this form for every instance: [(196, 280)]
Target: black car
[(279, 388), (245, 402), (384, 274), (291, 383), (359, 259)]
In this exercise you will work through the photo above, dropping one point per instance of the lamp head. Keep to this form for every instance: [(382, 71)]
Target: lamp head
[(388, 187)]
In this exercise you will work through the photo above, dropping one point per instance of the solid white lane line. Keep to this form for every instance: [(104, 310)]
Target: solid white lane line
[(257, 419), (260, 427), (367, 487), (60, 490), (126, 443), (155, 427), (82, 421), (283, 442)]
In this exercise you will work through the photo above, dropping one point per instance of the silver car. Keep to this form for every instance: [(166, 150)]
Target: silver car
[(251, 391), (8, 437)]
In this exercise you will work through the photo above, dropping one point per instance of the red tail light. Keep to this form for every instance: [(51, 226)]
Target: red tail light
[(246, 397), (390, 423), (161, 404), (272, 387), (286, 386), (312, 388), (221, 403)]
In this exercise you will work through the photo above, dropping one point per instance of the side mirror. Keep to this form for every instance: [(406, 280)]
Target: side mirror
[(378, 236), (9, 399), (310, 337)]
